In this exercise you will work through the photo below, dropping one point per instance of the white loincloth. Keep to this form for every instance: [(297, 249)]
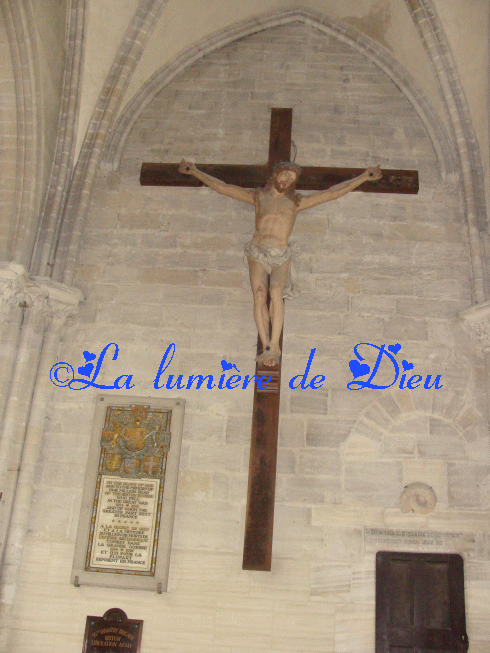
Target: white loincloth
[(271, 258)]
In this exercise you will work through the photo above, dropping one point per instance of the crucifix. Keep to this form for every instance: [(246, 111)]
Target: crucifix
[(271, 260)]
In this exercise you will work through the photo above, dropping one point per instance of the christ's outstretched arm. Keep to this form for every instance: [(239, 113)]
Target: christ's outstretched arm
[(219, 186), (332, 193)]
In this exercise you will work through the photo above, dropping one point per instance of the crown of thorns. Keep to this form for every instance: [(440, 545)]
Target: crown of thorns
[(287, 165)]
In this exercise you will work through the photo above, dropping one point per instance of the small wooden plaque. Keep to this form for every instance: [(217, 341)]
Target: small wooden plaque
[(113, 633)]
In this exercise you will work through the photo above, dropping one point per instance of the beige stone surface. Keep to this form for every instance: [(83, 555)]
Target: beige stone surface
[(331, 581), (313, 622), (359, 446), (349, 516), (477, 621), (363, 581), (367, 482), (343, 543), (354, 628)]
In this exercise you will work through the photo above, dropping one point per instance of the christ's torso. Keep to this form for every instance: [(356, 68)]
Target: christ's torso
[(274, 219)]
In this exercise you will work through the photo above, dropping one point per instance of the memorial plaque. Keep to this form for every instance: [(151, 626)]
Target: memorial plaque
[(129, 491), (124, 534), (113, 633), (419, 540), (128, 503)]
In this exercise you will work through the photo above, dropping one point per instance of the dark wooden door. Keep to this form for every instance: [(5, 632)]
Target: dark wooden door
[(420, 603)]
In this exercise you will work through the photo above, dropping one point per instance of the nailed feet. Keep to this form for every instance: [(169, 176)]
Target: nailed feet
[(270, 356)]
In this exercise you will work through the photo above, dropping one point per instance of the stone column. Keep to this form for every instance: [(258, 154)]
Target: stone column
[(19, 398), (48, 306), (12, 282)]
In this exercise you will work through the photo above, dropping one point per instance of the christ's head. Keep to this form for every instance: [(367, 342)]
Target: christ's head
[(284, 178)]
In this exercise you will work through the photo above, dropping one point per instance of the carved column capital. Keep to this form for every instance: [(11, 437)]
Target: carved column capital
[(45, 298), (478, 318), (13, 279), (61, 301)]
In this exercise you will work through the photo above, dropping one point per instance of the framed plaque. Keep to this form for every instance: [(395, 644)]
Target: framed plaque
[(112, 633), (126, 518)]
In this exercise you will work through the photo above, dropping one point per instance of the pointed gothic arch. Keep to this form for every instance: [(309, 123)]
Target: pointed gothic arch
[(29, 166), (348, 35)]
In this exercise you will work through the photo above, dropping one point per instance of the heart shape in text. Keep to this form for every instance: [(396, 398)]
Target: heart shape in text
[(359, 369), (394, 348), (86, 370)]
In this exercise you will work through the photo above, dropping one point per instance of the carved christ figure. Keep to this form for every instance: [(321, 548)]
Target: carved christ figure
[(271, 258)]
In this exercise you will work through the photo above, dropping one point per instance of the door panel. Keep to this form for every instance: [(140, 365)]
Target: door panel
[(420, 603)]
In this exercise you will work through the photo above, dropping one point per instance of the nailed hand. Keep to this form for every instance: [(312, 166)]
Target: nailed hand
[(373, 174), (186, 167)]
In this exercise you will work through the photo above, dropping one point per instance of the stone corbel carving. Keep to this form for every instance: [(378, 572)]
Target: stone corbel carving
[(478, 318), (62, 301), (418, 497)]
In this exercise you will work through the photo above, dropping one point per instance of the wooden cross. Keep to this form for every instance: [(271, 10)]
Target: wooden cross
[(257, 553)]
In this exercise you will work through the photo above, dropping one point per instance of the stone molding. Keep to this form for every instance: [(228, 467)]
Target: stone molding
[(63, 162), (105, 111), (439, 52), (23, 47), (478, 319)]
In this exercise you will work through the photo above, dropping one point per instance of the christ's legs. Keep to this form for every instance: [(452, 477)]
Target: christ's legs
[(259, 280), (278, 279)]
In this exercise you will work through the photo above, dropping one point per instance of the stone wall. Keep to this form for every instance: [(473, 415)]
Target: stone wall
[(164, 265)]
